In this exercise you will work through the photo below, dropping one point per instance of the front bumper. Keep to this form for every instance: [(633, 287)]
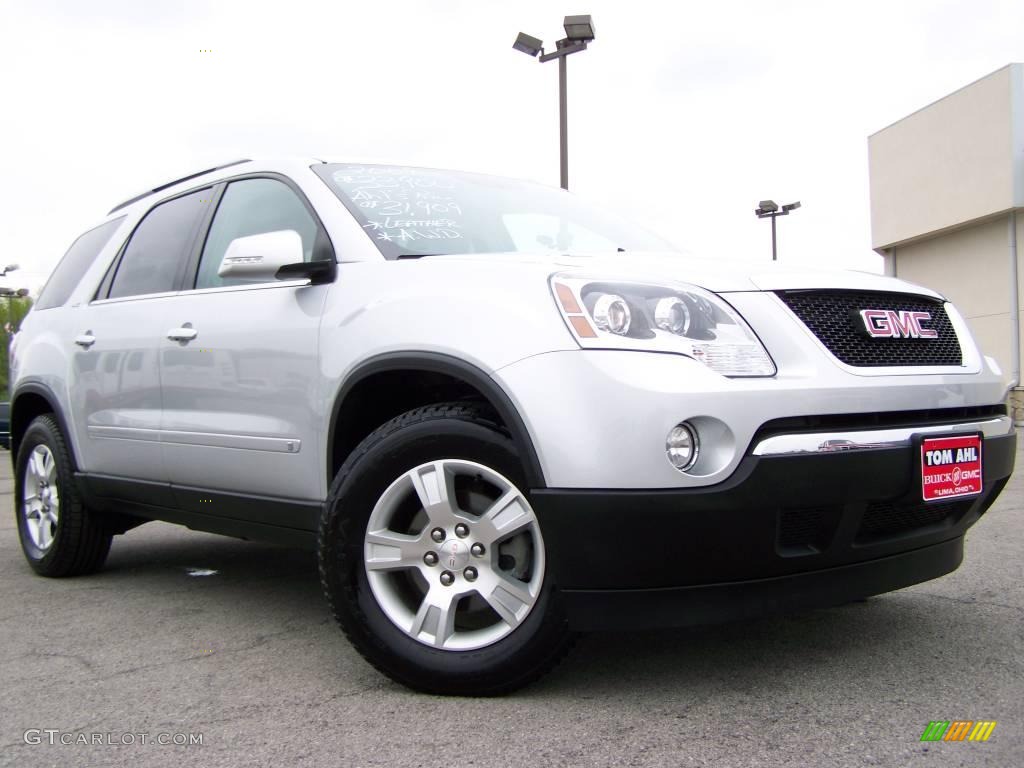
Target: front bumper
[(599, 418), (784, 532)]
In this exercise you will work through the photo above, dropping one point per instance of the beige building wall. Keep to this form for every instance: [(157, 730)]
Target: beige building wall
[(968, 264), (945, 182), (971, 268), (1020, 262), (950, 162)]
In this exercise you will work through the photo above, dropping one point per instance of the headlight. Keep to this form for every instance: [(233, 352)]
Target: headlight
[(611, 313), (672, 314), (661, 318)]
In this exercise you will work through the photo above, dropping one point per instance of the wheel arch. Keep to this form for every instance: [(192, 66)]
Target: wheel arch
[(33, 399), (471, 379)]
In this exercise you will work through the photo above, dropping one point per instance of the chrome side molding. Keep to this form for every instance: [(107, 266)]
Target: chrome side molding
[(208, 439)]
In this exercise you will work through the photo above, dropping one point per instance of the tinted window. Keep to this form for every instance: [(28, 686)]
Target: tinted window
[(252, 207), (76, 261), (159, 246)]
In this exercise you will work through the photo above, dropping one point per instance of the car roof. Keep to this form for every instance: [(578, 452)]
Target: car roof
[(215, 173)]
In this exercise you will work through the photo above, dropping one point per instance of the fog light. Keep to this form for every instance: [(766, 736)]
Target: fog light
[(682, 446)]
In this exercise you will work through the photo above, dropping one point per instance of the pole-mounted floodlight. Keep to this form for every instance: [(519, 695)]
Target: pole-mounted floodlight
[(770, 209), (531, 46), (579, 30), (8, 268)]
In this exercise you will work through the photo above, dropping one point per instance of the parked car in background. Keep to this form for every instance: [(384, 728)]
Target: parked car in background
[(498, 414), (5, 425)]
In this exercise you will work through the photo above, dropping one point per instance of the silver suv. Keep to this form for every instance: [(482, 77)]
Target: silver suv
[(499, 415)]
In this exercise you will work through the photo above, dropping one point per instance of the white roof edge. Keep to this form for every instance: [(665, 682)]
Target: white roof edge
[(1017, 132), (948, 95)]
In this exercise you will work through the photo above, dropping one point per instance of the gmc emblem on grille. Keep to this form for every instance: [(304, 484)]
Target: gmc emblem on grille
[(897, 324)]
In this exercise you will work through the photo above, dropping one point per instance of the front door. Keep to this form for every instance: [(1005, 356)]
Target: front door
[(240, 378)]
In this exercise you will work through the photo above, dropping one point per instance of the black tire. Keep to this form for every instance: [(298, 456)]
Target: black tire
[(80, 540), (444, 431)]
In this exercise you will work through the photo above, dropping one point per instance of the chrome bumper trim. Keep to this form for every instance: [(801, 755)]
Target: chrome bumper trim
[(840, 442)]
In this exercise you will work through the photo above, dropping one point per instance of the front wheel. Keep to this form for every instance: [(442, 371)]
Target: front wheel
[(433, 560)]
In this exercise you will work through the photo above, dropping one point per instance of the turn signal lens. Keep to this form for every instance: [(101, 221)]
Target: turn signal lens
[(582, 327), (567, 299), (573, 312)]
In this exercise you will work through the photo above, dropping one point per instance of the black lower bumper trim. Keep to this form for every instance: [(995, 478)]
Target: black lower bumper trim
[(776, 516), (784, 532), (710, 603)]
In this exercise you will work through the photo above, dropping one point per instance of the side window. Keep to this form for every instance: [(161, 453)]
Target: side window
[(252, 207), (76, 262), (159, 246)]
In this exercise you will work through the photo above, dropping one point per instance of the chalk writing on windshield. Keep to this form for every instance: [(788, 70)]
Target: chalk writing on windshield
[(403, 205)]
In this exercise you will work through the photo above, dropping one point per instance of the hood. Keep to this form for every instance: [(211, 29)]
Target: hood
[(716, 276)]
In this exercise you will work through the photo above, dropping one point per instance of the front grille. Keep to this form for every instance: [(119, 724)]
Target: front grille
[(833, 316), (885, 519)]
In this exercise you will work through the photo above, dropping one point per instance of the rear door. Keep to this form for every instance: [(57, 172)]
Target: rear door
[(115, 378), (239, 398)]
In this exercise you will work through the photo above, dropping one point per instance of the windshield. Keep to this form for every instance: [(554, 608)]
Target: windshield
[(425, 212)]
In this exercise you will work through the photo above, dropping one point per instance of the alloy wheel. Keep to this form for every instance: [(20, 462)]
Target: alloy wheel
[(40, 497), (453, 554)]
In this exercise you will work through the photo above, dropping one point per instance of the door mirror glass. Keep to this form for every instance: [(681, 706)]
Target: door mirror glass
[(258, 257)]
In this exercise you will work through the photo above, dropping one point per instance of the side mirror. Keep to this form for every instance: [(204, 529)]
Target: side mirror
[(259, 257)]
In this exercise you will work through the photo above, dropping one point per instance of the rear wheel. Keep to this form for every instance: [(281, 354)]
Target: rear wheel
[(59, 535), (433, 560)]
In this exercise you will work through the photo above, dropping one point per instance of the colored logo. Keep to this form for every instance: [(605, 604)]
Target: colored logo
[(897, 324), (958, 730)]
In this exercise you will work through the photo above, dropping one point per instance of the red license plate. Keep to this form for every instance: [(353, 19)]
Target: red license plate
[(950, 467)]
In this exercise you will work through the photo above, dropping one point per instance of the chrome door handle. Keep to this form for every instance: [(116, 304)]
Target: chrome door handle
[(85, 340), (185, 333)]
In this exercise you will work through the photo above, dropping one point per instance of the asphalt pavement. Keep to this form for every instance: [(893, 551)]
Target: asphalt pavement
[(188, 635)]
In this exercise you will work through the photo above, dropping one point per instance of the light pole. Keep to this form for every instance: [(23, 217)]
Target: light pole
[(579, 30), (770, 209)]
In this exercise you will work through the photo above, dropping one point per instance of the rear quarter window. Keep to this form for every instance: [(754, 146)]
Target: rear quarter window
[(73, 266)]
